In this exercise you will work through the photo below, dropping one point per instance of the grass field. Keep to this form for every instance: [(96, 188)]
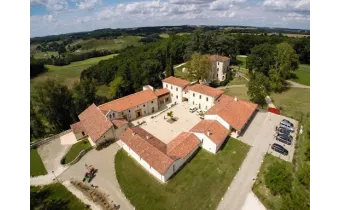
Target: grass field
[(68, 74), (238, 81), (40, 55), (199, 185), (293, 102), (241, 61), (37, 167), (239, 92), (59, 195), (303, 74), (164, 35), (103, 90), (76, 149)]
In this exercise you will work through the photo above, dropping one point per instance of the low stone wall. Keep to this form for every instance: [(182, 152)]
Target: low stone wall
[(81, 154), (48, 139)]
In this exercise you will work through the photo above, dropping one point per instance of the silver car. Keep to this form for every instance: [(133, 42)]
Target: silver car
[(287, 127)]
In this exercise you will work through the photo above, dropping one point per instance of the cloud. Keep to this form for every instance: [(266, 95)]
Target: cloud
[(288, 5), (293, 16), (232, 14), (224, 4), (52, 5), (87, 4), (190, 1)]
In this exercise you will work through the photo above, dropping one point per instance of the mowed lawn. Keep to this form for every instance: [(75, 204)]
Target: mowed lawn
[(76, 149), (238, 81), (59, 195), (239, 92), (302, 74), (37, 167), (198, 185), (68, 74)]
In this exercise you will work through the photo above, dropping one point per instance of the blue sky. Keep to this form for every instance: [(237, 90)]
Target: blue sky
[(64, 16)]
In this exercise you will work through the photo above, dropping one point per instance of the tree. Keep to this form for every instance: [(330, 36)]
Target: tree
[(199, 67), (276, 80), (286, 60), (84, 94), (258, 88), (37, 128), (53, 101), (278, 178), (261, 58), (116, 87), (170, 114)]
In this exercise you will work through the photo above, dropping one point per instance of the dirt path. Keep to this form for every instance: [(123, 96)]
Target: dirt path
[(296, 85)]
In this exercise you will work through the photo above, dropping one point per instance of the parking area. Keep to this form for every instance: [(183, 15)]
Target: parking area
[(261, 133), (165, 130)]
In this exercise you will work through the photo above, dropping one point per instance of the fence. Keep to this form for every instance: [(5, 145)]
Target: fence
[(48, 139), (273, 110)]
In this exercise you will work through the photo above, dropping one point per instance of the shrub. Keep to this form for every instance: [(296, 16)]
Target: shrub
[(278, 178)]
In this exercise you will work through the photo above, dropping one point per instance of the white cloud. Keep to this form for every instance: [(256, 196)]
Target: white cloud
[(52, 5), (224, 4), (87, 4), (232, 14), (293, 16), (288, 5), (190, 1)]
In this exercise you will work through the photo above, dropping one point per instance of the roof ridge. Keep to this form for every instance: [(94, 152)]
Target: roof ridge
[(179, 143), (124, 97)]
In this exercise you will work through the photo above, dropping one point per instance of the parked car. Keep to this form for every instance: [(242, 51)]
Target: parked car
[(287, 127), (192, 109), (287, 123), (280, 149), (283, 130), (285, 135), (283, 139)]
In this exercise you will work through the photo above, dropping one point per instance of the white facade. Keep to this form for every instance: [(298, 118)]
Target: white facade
[(201, 101), (219, 70), (176, 92), (219, 119), (207, 143), (111, 134)]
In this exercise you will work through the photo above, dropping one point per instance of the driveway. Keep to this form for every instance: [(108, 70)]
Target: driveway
[(259, 135), (68, 139), (105, 178)]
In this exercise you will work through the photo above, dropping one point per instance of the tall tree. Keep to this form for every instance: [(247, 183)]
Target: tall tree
[(54, 102), (276, 80), (84, 94), (116, 87), (37, 128), (199, 67), (258, 88), (286, 60), (261, 58)]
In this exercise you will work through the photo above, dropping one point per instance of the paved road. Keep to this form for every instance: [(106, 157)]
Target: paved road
[(296, 85)]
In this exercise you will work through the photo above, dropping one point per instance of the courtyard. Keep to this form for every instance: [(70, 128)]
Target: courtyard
[(165, 130)]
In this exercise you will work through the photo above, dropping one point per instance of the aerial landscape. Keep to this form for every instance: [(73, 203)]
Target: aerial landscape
[(193, 104)]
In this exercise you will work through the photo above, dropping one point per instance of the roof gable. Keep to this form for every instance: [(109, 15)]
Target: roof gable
[(212, 129), (176, 81), (182, 145), (206, 90)]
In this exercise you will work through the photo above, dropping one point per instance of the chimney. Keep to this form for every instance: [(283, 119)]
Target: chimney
[(235, 99), (209, 133), (147, 137), (133, 133)]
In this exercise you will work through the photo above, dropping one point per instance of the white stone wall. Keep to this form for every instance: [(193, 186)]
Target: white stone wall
[(207, 144), (176, 92), (219, 70), (219, 119), (79, 135), (200, 100), (109, 135), (145, 108)]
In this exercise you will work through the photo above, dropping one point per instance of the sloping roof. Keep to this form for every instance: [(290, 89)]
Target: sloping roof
[(147, 151), (236, 113), (182, 145), (119, 122), (176, 81), (94, 122), (219, 58), (212, 129), (151, 139), (129, 101), (161, 92), (206, 90), (77, 127)]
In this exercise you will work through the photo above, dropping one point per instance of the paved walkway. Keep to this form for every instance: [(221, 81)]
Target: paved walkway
[(269, 102), (296, 85), (179, 65), (253, 203)]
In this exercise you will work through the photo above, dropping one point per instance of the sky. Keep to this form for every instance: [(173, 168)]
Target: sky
[(49, 17)]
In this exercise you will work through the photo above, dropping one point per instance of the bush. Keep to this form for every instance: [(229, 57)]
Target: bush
[(279, 178)]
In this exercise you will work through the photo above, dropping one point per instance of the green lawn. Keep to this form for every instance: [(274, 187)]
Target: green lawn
[(103, 90), (41, 55), (37, 167), (164, 35), (198, 185), (242, 61), (293, 102), (238, 81), (180, 74), (303, 74), (57, 195), (68, 74), (76, 149), (239, 92)]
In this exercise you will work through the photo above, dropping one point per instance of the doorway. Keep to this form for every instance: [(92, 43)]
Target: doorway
[(139, 113)]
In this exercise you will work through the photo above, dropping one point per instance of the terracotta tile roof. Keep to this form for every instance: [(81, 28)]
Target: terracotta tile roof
[(182, 145), (150, 154), (161, 92), (206, 90), (151, 139), (212, 129), (77, 127), (94, 122), (176, 81), (235, 113), (119, 122), (219, 58), (129, 101)]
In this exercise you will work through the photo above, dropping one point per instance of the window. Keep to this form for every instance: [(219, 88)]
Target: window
[(222, 77), (143, 105), (207, 99), (152, 102), (206, 107), (177, 97), (171, 87), (129, 110), (176, 89), (83, 133), (172, 95), (166, 85), (193, 95), (217, 69), (200, 96), (173, 168), (216, 75), (153, 109), (193, 103)]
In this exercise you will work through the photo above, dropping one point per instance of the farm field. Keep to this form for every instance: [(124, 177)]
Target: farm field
[(302, 74), (68, 74), (200, 184)]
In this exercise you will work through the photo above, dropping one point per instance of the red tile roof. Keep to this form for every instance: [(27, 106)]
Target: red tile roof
[(182, 145), (119, 122), (176, 81), (146, 150), (129, 101), (161, 92), (206, 90), (77, 127), (235, 113), (94, 122), (219, 58), (151, 139), (212, 129)]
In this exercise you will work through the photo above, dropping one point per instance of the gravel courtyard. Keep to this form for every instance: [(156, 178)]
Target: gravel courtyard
[(166, 131)]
